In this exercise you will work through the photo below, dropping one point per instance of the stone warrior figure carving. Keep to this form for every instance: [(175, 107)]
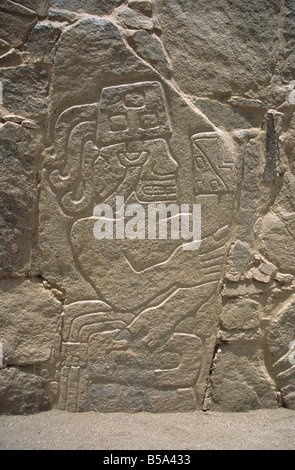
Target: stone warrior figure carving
[(147, 339)]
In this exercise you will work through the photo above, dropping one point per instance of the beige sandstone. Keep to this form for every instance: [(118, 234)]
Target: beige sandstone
[(30, 322)]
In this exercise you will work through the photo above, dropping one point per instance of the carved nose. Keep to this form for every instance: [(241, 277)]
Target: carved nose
[(165, 167), (162, 162)]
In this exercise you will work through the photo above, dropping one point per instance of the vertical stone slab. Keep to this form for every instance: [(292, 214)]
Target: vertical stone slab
[(30, 322), (135, 333), (20, 150), (239, 381)]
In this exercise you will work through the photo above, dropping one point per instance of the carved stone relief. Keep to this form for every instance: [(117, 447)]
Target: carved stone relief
[(141, 330), (113, 112)]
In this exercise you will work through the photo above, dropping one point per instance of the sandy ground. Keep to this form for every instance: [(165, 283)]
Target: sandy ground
[(56, 430)]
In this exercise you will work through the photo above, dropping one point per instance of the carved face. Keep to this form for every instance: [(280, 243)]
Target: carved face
[(133, 125), (154, 182), (158, 178)]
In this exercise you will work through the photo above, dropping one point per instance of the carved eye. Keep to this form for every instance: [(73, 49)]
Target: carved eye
[(149, 121), (133, 159), (134, 100), (118, 123)]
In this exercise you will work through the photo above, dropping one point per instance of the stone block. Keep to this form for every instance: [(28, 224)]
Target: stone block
[(150, 48), (23, 391), (92, 7), (30, 322), (20, 150), (42, 40), (25, 90), (242, 314), (239, 381), (228, 48)]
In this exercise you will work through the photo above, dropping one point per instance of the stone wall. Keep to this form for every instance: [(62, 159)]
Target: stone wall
[(157, 101)]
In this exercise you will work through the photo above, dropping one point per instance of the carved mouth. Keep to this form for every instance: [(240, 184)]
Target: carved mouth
[(159, 189)]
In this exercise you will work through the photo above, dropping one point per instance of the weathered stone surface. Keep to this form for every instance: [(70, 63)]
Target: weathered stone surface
[(284, 278), (242, 256), (19, 154), (199, 40), (62, 16), (239, 381), (16, 21), (240, 314), (42, 40), (92, 7), (30, 321), (289, 22), (10, 59), (277, 242), (40, 6), (226, 116), (236, 290), (240, 321), (245, 103), (289, 141), (143, 6), (150, 48), (163, 102), (248, 203), (23, 391), (270, 171), (25, 90), (268, 269), (134, 20), (233, 277), (160, 290), (106, 398), (281, 345)]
